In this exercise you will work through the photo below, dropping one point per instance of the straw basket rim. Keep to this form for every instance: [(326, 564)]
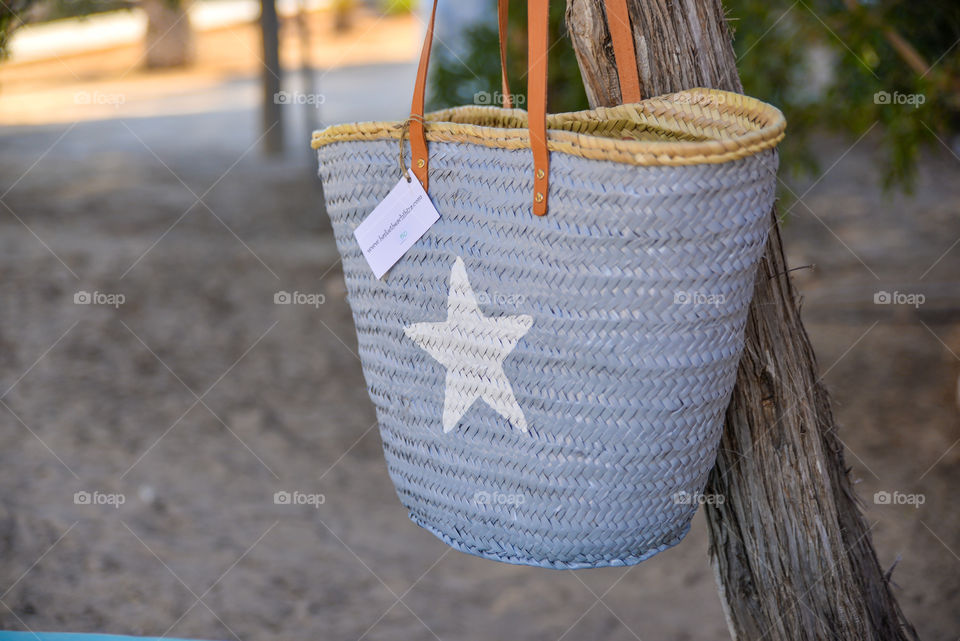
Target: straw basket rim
[(696, 126)]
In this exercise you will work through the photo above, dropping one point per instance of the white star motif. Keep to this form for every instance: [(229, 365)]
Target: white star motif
[(472, 347)]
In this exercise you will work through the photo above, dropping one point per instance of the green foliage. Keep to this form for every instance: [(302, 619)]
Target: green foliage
[(836, 65), (59, 9), (10, 18), (394, 7), (828, 64)]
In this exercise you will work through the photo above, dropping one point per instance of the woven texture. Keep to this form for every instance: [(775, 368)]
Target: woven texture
[(597, 345), (690, 127)]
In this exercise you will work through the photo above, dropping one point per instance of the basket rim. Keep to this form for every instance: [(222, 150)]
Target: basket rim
[(708, 126)]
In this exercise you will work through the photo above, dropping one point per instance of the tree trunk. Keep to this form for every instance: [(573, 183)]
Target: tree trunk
[(271, 113), (170, 38), (790, 548), (343, 15)]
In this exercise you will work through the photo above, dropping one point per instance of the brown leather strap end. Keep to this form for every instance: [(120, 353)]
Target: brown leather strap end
[(537, 36), (618, 20), (418, 137), (503, 11)]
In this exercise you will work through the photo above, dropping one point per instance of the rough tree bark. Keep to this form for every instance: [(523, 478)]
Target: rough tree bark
[(790, 548)]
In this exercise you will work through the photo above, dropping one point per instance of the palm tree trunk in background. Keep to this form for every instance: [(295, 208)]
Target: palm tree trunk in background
[(271, 109), (170, 38), (343, 14), (790, 548)]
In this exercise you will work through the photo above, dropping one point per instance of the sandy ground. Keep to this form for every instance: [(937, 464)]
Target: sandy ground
[(108, 84), (198, 398)]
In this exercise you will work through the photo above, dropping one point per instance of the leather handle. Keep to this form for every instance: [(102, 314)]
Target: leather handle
[(538, 18), (418, 138), (618, 21), (503, 10)]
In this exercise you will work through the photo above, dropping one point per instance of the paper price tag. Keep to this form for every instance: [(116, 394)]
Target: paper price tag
[(395, 225)]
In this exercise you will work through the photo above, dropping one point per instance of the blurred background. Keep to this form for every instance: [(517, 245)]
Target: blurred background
[(164, 397)]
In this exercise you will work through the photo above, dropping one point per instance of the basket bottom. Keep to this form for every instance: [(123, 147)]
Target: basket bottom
[(457, 544)]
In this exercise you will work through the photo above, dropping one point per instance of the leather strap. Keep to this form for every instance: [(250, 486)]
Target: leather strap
[(538, 18), (418, 138), (503, 10), (618, 21)]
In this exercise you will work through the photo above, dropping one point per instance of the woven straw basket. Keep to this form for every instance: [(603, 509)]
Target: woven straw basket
[(551, 389)]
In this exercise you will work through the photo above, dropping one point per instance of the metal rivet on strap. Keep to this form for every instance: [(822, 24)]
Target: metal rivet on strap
[(539, 197), (540, 174), (421, 163)]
